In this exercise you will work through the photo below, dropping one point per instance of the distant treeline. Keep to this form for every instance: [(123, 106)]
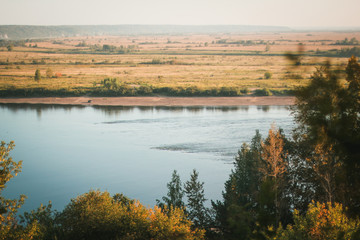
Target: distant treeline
[(28, 31), (244, 42), (346, 41), (116, 89), (344, 52)]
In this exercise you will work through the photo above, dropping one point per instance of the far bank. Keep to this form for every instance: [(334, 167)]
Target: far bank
[(156, 101)]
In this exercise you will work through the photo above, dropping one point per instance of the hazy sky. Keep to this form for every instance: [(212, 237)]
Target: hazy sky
[(309, 13)]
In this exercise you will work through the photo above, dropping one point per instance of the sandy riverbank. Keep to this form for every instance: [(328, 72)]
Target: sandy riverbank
[(155, 101)]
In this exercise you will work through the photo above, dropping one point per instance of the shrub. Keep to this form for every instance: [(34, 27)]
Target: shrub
[(321, 221), (97, 215), (267, 75), (228, 91), (263, 92), (10, 47), (245, 91), (49, 73)]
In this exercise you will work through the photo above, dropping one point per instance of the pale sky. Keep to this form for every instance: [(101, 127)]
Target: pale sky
[(300, 13)]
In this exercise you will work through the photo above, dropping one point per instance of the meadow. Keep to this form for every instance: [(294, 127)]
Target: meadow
[(181, 65)]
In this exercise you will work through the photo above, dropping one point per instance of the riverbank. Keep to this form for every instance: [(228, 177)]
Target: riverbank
[(156, 101)]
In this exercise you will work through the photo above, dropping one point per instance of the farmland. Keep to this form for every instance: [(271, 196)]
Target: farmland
[(171, 65)]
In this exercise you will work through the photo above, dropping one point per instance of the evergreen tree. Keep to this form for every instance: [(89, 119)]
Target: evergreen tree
[(175, 193), (195, 208), (237, 214)]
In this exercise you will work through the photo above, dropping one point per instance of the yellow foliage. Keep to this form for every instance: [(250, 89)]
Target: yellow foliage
[(321, 222), (96, 215)]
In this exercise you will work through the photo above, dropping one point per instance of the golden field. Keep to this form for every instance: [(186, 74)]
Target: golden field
[(203, 62)]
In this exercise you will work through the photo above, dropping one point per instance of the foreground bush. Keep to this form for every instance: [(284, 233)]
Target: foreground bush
[(97, 215), (321, 221)]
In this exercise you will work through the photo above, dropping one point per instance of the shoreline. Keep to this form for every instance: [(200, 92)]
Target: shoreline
[(156, 101)]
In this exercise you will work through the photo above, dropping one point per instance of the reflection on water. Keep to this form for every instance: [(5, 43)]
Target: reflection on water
[(67, 150), (117, 110)]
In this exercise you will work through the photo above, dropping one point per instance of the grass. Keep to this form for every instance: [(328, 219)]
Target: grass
[(188, 68)]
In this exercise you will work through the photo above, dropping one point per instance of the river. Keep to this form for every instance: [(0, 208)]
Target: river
[(68, 150)]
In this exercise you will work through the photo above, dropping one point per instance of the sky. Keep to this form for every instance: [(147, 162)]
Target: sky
[(290, 13)]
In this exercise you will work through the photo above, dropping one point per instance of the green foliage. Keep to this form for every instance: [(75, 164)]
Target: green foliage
[(111, 83), (81, 44), (195, 208), (343, 52), (262, 92), (328, 117), (346, 41), (10, 47), (116, 88), (256, 194), (46, 220), (236, 216), (174, 198), (267, 75), (108, 48)]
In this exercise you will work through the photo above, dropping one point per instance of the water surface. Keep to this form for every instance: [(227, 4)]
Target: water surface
[(69, 150)]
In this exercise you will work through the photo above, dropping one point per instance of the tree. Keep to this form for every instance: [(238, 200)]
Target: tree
[(326, 167), (37, 75), (274, 168), (237, 214), (10, 47), (174, 195), (273, 155), (195, 208), (46, 219), (9, 227), (328, 115)]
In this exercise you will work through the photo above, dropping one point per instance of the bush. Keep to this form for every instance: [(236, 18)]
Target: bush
[(228, 91), (321, 221), (49, 73), (10, 47), (267, 75), (97, 215), (245, 91), (262, 92)]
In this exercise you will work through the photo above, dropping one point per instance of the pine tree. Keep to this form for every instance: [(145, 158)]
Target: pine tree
[(174, 195), (195, 208)]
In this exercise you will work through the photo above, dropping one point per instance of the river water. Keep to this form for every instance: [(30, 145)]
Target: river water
[(68, 150)]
